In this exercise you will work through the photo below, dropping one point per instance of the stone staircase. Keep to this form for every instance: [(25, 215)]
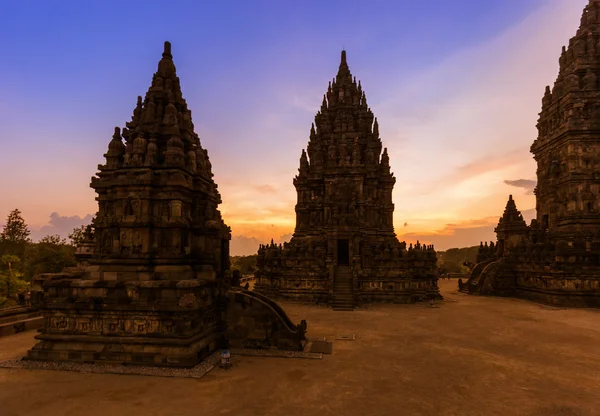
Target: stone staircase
[(343, 300)]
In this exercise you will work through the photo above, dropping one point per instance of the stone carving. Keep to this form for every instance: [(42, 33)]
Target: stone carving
[(187, 301)]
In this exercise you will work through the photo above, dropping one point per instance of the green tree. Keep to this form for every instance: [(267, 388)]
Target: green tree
[(453, 259), (11, 283), (245, 264), (77, 236), (50, 255), (82, 234), (15, 235)]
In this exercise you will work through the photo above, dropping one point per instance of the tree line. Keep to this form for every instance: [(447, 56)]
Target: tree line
[(457, 260), (21, 258)]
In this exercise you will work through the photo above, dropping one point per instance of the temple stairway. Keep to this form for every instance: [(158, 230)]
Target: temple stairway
[(343, 299), (472, 285)]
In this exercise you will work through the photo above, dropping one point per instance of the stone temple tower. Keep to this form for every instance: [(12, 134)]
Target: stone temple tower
[(157, 202), (567, 149), (152, 291), (557, 258), (344, 248)]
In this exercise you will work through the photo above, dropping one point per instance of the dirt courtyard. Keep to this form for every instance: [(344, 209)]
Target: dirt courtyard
[(468, 356)]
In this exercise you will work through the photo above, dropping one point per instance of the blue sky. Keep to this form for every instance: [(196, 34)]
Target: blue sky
[(254, 72)]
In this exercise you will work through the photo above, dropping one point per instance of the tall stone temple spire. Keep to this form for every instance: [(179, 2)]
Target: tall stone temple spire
[(557, 258), (344, 214), (568, 142), (345, 159), (151, 289), (156, 195)]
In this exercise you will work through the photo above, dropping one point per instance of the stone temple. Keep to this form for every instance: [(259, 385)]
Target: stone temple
[(151, 285), (344, 249), (556, 259)]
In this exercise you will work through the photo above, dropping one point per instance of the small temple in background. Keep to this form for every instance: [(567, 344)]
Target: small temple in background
[(556, 259), (151, 286), (344, 249)]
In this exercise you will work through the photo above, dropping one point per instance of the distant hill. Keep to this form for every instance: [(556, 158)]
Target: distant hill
[(452, 259)]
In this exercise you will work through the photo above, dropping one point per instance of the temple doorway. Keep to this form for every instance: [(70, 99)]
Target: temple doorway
[(343, 252)]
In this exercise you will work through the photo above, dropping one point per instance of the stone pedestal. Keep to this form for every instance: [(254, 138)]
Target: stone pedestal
[(161, 323)]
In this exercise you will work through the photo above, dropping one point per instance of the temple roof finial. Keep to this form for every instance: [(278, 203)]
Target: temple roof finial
[(167, 51), (343, 56)]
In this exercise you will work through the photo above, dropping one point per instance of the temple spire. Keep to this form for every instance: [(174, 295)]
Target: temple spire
[(166, 67), (167, 51), (512, 215), (343, 71)]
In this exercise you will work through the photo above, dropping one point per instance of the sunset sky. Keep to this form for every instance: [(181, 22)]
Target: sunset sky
[(456, 87)]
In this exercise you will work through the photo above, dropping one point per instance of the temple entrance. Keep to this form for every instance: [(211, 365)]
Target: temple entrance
[(343, 252)]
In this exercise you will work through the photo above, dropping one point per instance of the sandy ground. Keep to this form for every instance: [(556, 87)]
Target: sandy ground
[(469, 356)]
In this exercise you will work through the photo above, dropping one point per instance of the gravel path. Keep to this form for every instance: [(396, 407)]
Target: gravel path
[(197, 371)]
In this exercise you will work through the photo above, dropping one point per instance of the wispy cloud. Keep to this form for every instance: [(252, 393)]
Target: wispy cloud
[(457, 130), (527, 184), (462, 234), (62, 225)]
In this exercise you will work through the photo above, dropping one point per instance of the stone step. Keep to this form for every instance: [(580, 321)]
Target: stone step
[(343, 309)]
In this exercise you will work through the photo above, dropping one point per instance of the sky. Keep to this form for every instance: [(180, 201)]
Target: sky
[(456, 87)]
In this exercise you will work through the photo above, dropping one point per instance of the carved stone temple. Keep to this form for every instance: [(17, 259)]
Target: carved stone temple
[(151, 287), (557, 258), (344, 249)]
